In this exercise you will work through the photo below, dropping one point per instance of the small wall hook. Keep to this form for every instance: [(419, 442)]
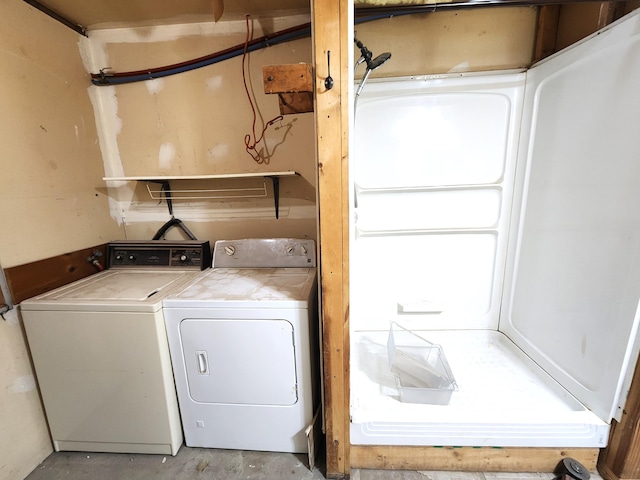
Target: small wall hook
[(328, 82)]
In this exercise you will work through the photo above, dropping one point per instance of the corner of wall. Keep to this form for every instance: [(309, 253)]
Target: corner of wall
[(24, 438)]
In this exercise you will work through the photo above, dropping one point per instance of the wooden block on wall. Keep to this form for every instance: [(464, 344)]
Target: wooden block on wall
[(295, 102), (291, 78)]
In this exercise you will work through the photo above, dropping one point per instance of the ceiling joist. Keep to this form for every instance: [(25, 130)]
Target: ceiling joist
[(56, 16), (365, 9)]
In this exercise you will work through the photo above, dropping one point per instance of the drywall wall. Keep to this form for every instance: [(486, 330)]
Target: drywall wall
[(24, 437), (195, 123), (51, 193), (451, 41), (52, 199)]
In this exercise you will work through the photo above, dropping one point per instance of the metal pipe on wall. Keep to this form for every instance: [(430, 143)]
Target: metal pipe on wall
[(56, 16), (293, 33), (394, 10), (362, 15)]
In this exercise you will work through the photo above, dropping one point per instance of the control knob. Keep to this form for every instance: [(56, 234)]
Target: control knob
[(230, 250)]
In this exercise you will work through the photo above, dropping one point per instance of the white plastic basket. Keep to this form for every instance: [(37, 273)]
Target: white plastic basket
[(420, 368)]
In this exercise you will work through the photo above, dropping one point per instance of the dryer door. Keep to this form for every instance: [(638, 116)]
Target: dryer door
[(239, 361)]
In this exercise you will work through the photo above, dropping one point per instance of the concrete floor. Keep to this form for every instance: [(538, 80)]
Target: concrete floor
[(202, 463)]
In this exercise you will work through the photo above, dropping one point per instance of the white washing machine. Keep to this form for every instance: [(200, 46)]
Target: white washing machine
[(241, 341), (101, 355)]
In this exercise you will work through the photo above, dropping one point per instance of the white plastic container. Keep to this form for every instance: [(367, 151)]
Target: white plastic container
[(420, 368)]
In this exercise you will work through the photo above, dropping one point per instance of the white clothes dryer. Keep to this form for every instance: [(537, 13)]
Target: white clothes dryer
[(240, 339), (100, 350)]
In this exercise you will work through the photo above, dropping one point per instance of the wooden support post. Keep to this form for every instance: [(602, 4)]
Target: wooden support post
[(610, 12), (546, 31), (621, 458), (331, 28)]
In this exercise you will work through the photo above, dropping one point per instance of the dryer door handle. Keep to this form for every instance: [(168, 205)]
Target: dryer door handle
[(203, 362)]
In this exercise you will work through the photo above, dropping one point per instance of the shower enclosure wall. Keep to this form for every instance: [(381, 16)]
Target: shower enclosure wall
[(496, 215)]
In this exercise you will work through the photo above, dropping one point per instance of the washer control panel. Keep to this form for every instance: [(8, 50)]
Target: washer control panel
[(188, 254), (264, 253)]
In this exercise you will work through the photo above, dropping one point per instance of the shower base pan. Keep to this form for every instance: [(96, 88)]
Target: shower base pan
[(503, 398)]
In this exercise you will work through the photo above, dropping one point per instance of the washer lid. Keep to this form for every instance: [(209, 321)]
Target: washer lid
[(113, 290), (249, 287)]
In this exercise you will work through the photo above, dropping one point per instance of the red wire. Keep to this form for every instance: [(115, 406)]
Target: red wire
[(250, 146)]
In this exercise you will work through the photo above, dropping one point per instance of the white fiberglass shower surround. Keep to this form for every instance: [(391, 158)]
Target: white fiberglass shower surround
[(497, 215)]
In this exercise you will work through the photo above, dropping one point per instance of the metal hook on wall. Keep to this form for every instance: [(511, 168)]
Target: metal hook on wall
[(328, 82)]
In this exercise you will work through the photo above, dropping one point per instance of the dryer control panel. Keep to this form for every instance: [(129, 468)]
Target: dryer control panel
[(265, 253), (188, 254)]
